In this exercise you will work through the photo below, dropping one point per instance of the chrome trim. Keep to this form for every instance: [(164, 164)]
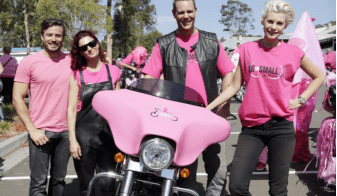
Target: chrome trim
[(192, 192), (127, 184), (169, 173), (108, 174), (167, 188), (156, 140)]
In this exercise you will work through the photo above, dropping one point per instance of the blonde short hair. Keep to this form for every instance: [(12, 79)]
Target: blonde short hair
[(279, 6)]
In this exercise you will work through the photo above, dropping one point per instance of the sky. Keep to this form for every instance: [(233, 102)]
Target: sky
[(208, 14)]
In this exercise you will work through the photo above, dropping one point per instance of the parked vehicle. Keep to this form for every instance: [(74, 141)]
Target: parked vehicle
[(159, 130)]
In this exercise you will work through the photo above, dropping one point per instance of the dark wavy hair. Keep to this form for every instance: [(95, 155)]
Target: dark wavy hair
[(77, 59)]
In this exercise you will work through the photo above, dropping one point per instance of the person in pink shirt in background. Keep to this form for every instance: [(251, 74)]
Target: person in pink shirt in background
[(137, 57), (135, 61), (196, 59), (45, 74), (10, 64), (268, 67)]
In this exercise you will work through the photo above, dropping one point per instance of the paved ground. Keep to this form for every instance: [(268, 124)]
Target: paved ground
[(15, 181)]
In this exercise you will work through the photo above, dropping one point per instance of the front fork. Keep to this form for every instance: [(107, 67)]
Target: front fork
[(128, 179), (167, 186), (127, 183)]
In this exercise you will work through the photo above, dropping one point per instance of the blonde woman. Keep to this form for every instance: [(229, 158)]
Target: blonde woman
[(267, 67)]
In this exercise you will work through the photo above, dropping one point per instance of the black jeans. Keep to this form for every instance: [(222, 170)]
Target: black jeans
[(216, 170), (56, 150), (279, 135)]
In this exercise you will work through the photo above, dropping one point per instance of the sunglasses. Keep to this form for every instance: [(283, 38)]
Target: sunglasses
[(85, 47), (52, 21)]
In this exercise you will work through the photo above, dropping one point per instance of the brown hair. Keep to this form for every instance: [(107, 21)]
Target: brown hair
[(77, 59), (49, 22), (7, 49)]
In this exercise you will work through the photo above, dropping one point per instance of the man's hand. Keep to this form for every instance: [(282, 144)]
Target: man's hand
[(224, 110), (39, 137)]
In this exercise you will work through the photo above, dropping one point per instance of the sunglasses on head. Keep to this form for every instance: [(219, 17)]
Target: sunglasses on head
[(85, 47)]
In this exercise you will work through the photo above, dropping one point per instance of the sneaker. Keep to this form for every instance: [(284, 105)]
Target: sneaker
[(260, 166)]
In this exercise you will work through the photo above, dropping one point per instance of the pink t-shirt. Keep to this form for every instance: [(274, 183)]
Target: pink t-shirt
[(128, 60), (194, 80), (268, 74), (48, 81), (10, 67), (90, 77)]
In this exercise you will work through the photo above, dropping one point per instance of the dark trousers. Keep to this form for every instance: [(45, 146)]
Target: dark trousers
[(216, 170), (279, 135), (98, 150), (56, 151)]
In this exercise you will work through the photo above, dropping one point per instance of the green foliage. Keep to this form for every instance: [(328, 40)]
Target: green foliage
[(76, 15), (133, 22), (12, 29), (150, 39), (9, 111), (237, 17), (5, 127)]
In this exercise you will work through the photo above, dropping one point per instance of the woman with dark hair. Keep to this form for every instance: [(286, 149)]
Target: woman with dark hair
[(91, 142)]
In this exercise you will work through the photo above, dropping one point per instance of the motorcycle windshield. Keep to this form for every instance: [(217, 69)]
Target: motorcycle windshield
[(167, 90), (160, 108)]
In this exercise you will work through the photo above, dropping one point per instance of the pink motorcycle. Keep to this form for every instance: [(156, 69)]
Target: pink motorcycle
[(159, 129)]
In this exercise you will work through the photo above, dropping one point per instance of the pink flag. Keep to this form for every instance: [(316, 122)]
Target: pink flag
[(306, 39)]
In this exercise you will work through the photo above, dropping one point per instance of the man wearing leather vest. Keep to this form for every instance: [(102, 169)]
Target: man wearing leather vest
[(194, 58)]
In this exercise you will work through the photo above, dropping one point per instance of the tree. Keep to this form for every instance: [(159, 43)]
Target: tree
[(237, 17), (133, 20), (76, 15), (150, 39), (222, 39), (14, 15)]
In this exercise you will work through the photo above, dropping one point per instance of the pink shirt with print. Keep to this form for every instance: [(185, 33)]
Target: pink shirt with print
[(268, 74), (194, 80), (48, 81), (96, 77)]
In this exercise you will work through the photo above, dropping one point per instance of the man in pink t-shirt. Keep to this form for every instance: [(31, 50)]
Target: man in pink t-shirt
[(10, 64), (196, 59), (46, 75)]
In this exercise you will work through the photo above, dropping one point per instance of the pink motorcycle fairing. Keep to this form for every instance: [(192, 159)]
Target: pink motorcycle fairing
[(134, 115)]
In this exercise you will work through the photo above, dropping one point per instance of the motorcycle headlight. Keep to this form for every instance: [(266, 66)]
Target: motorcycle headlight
[(156, 154)]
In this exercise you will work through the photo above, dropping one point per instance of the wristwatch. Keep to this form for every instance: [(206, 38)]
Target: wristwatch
[(302, 100)]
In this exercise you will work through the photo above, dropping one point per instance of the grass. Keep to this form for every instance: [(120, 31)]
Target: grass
[(5, 127)]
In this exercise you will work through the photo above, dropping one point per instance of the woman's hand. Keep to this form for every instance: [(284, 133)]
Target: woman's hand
[(294, 103), (75, 150)]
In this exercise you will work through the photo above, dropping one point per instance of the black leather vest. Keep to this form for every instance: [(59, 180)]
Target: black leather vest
[(175, 60)]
